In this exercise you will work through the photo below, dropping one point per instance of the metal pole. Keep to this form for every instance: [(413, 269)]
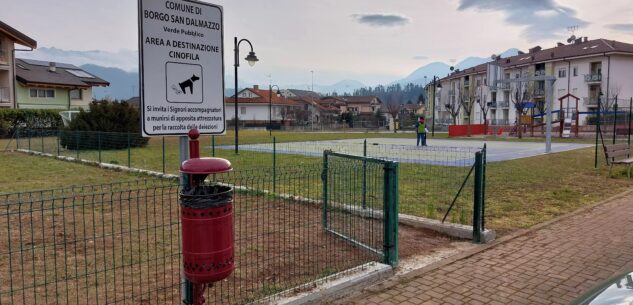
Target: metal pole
[(58, 140), (390, 210), (29, 138), (212, 146), (17, 139), (99, 144), (324, 179), (595, 161), (615, 118), (129, 153), (478, 204), (364, 203), (483, 189), (270, 111), (548, 129), (187, 286), (163, 154), (237, 64), (274, 165), (630, 112), (433, 112), (42, 140), (76, 144)]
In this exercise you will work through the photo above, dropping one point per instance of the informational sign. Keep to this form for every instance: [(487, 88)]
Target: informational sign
[(181, 55)]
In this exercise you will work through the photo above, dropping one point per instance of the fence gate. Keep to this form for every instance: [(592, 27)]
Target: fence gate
[(360, 203)]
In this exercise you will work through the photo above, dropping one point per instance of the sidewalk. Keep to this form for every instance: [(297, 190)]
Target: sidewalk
[(552, 264)]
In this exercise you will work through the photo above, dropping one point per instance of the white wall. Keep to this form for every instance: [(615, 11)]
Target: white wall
[(254, 112)]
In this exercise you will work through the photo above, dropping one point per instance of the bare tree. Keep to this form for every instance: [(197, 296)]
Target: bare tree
[(607, 103), (392, 107), (453, 108), (484, 106), (520, 95)]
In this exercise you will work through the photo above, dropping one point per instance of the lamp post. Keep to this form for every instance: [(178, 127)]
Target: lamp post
[(252, 59), (437, 87), (270, 107)]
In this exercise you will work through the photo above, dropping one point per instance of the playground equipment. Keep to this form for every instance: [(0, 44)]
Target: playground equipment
[(567, 118)]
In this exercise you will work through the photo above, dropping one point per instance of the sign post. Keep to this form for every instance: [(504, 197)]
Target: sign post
[(181, 58), (182, 67)]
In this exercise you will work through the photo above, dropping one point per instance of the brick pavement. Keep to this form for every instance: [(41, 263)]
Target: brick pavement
[(552, 264)]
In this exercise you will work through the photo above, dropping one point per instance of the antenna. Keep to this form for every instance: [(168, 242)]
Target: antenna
[(572, 29), (493, 56)]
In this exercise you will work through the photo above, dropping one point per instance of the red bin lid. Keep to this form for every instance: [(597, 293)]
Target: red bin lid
[(206, 166)]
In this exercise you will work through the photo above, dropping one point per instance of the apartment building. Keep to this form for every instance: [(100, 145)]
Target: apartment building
[(587, 69), (9, 37)]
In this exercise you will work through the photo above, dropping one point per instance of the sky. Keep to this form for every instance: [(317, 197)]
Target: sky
[(372, 41)]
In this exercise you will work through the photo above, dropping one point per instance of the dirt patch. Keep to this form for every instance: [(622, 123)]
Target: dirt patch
[(121, 245)]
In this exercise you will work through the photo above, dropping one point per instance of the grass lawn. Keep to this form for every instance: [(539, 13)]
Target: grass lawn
[(21, 172), (520, 193)]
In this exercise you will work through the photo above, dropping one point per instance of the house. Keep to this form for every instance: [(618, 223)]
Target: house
[(592, 70), (50, 85), (8, 38), (362, 105), (256, 107), (296, 93)]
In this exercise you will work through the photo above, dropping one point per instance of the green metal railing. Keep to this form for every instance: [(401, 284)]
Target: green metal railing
[(368, 188), (430, 177), (120, 243)]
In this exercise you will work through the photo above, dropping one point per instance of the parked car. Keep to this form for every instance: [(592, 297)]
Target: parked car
[(617, 290)]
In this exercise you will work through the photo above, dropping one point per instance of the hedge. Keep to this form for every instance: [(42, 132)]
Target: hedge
[(12, 119), (108, 125)]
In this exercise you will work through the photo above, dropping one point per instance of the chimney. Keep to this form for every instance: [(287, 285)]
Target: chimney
[(586, 39), (560, 44), (256, 87), (578, 41), (535, 49), (551, 54), (52, 67)]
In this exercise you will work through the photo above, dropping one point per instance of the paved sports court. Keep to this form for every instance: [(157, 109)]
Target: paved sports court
[(440, 152)]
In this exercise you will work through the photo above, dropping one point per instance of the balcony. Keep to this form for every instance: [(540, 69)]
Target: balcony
[(590, 101), (451, 92), (5, 95), (503, 104), (538, 92), (4, 57), (593, 77), (539, 73), (466, 83)]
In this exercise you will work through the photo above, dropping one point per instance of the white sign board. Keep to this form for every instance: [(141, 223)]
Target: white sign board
[(181, 54)]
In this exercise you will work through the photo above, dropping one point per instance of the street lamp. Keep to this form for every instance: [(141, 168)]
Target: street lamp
[(437, 87), (270, 107), (251, 59)]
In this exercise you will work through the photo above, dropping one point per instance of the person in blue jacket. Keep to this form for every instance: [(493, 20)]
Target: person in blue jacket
[(421, 131)]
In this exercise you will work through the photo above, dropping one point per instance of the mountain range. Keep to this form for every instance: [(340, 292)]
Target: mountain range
[(112, 66)]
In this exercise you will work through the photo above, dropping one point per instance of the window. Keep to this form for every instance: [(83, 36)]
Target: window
[(76, 94), (562, 73), (42, 93), (242, 110), (575, 71)]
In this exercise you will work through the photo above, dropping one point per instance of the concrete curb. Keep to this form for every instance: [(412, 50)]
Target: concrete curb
[(337, 284), (407, 277)]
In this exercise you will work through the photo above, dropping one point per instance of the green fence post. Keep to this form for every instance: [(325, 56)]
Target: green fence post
[(77, 144), (99, 144), (595, 162), (364, 203), (615, 118), (212, 146), (42, 142), (478, 202), (58, 140), (630, 112), (483, 188), (163, 154), (30, 139), (274, 165), (390, 210), (324, 180), (17, 138), (129, 152)]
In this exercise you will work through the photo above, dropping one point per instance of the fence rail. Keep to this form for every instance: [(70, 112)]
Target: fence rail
[(120, 243)]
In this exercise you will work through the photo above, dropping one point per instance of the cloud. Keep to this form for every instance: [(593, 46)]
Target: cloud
[(420, 57), (622, 27), (542, 19), (381, 20)]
